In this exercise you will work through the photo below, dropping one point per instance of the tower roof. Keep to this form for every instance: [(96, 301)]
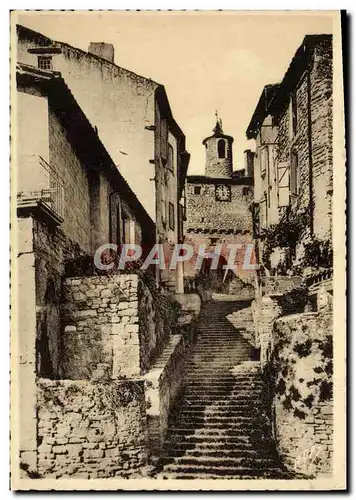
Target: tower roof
[(218, 126), (218, 130)]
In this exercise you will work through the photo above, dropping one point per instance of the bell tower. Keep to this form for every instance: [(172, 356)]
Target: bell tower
[(218, 146)]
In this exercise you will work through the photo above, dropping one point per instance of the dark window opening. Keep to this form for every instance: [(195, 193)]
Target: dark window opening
[(197, 189), (221, 148), (125, 229), (118, 228), (171, 216), (44, 62), (170, 162), (294, 174), (294, 113), (245, 191)]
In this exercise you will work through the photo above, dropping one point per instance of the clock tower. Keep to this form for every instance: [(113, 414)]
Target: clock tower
[(218, 163), (218, 215)]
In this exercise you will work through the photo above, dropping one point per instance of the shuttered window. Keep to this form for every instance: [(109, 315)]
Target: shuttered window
[(264, 159), (263, 211), (164, 138), (171, 216), (294, 184)]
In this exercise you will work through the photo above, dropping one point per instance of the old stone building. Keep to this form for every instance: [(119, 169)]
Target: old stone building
[(118, 377), (132, 117), (217, 212), (80, 332), (292, 127), (293, 192), (71, 199)]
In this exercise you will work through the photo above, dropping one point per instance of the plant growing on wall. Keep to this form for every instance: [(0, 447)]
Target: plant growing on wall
[(301, 369), (285, 234), (318, 254), (294, 301)]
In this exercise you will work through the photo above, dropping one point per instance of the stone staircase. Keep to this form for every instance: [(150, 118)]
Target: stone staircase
[(220, 426)]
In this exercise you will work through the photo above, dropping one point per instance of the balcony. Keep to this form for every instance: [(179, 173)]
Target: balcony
[(40, 190)]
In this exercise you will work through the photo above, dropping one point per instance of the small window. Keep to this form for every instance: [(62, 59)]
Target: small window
[(125, 229), (45, 62), (245, 191), (294, 114), (197, 189), (294, 184), (118, 228), (164, 138), (171, 216), (264, 159), (263, 211), (170, 162), (221, 148)]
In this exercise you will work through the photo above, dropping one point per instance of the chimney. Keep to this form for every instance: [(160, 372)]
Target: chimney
[(249, 162), (101, 49)]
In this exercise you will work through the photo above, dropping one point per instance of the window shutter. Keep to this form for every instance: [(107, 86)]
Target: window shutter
[(264, 159), (294, 174), (256, 219), (164, 138), (283, 184)]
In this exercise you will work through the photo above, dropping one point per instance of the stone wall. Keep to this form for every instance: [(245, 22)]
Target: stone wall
[(113, 324), (276, 285), (243, 321), (269, 305), (265, 311), (76, 196), (90, 430), (204, 212), (314, 102), (166, 376), (302, 365)]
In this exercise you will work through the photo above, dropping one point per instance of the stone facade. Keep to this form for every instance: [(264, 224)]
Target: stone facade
[(217, 212), (303, 402), (292, 126), (131, 115), (219, 159), (112, 324), (91, 430)]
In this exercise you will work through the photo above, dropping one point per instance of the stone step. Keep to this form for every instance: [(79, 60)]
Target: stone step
[(251, 394), (253, 463), (219, 471), (230, 412), (186, 476), (208, 420), (245, 408), (217, 450), (218, 431), (240, 441), (242, 376), (215, 386), (193, 402)]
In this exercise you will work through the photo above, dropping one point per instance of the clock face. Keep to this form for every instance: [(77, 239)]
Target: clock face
[(223, 193)]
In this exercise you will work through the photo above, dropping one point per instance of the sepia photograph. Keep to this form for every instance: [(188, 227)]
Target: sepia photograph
[(178, 272)]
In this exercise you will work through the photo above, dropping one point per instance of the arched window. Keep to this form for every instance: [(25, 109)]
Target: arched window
[(221, 148)]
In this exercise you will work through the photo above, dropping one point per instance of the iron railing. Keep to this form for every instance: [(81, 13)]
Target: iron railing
[(50, 186)]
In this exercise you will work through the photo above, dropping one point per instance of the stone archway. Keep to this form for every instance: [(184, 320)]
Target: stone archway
[(214, 280)]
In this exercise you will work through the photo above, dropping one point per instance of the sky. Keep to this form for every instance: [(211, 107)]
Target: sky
[(207, 61)]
